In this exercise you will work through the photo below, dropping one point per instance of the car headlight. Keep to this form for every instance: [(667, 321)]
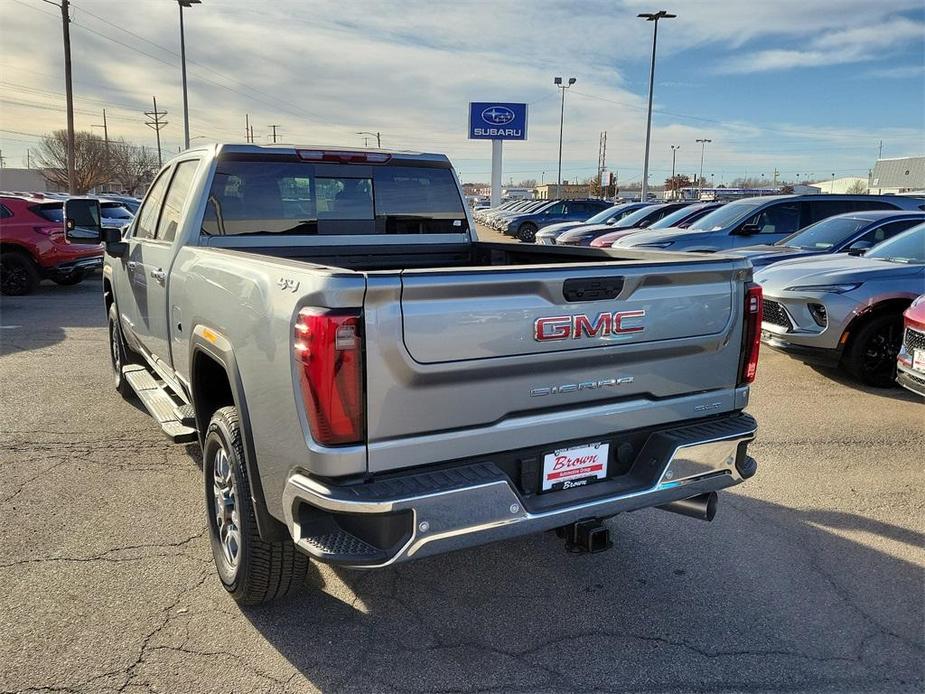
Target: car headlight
[(660, 244), (824, 288)]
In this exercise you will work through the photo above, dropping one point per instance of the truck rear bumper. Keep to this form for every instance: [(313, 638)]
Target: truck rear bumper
[(394, 519)]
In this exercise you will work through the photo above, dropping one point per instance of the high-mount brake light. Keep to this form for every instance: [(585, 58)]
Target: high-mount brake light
[(343, 157), (752, 341), (328, 348)]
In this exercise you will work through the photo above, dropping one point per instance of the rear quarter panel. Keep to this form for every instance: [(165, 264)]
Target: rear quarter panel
[(251, 304)]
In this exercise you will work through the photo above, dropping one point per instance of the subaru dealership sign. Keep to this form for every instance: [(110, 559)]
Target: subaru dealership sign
[(489, 120)]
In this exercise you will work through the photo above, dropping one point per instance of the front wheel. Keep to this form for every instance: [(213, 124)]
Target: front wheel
[(251, 570), (871, 358), (527, 232), (119, 354)]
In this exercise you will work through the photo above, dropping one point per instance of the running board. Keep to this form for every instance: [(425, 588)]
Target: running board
[(174, 419)]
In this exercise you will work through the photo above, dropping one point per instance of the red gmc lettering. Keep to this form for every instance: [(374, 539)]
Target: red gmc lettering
[(576, 327)]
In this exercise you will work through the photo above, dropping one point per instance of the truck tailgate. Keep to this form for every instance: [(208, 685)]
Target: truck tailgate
[(477, 358)]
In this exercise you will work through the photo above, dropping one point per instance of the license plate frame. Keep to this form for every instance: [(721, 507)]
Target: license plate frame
[(918, 360), (574, 466)]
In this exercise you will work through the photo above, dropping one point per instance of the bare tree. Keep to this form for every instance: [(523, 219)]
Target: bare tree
[(133, 166), (857, 188), (90, 161)]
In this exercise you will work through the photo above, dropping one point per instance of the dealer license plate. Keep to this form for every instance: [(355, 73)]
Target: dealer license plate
[(575, 467), (918, 360)]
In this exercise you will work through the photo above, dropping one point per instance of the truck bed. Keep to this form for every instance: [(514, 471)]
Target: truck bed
[(476, 254)]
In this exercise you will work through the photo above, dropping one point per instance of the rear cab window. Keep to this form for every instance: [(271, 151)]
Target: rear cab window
[(283, 196)]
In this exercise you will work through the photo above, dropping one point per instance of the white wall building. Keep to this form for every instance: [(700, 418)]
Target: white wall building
[(901, 175)]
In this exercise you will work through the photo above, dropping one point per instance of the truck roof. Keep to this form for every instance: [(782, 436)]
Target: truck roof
[(290, 149)]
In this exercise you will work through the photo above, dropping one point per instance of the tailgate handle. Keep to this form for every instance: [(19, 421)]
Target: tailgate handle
[(592, 288)]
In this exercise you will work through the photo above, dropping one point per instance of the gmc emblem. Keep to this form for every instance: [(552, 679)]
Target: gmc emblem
[(577, 327)]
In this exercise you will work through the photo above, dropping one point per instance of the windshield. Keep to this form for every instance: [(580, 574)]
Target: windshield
[(676, 217), (907, 247), (725, 216), (293, 197), (112, 210), (611, 214), (633, 218), (824, 235)]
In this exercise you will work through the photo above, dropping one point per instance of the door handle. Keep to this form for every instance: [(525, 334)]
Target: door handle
[(159, 275), (131, 264)]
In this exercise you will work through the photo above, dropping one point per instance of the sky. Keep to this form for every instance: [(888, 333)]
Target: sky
[(797, 86)]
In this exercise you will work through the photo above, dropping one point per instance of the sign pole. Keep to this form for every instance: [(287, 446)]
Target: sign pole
[(496, 172)]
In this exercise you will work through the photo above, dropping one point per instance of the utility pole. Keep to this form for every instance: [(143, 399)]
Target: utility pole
[(247, 127), (252, 134), (69, 93), (28, 158), (880, 156), (776, 174), (187, 4), (601, 162), (275, 126), (105, 128), (651, 17), (155, 123)]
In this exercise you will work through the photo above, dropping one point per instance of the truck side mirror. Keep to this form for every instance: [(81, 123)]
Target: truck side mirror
[(82, 221)]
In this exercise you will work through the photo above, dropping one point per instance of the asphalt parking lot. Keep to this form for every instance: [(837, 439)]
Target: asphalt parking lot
[(810, 578)]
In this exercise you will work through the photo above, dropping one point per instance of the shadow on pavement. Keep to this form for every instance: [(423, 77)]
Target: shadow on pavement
[(897, 392), (775, 598), (34, 321)]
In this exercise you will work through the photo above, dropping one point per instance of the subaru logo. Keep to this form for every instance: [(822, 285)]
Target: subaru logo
[(497, 115)]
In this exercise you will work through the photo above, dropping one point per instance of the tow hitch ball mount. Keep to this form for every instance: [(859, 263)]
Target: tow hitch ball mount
[(589, 536)]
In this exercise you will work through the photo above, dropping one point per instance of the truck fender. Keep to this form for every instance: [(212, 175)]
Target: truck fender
[(209, 344)]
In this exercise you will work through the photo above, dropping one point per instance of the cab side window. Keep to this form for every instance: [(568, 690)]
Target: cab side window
[(176, 197), (146, 223)]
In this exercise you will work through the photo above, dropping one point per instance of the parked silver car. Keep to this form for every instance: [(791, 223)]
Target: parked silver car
[(845, 310)]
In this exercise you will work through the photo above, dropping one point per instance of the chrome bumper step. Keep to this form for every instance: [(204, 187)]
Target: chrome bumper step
[(472, 504)]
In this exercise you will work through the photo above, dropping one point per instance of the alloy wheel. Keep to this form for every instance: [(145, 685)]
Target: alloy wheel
[(227, 521)]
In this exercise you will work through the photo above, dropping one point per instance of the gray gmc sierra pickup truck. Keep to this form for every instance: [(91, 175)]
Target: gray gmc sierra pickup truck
[(370, 383)]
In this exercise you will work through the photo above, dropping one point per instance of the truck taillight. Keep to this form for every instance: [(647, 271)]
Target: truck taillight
[(328, 348), (752, 340)]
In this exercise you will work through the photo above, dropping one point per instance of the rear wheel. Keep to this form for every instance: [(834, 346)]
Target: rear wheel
[(251, 570), (18, 274), (527, 232), (871, 358)]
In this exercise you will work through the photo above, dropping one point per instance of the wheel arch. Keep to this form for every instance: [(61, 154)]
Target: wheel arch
[(215, 382), (896, 304)]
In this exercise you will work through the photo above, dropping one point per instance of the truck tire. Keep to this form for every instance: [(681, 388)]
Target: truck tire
[(119, 354), (526, 232), (252, 570), (18, 274), (871, 356), (70, 279)]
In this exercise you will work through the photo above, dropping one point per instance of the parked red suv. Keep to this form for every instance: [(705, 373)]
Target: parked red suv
[(911, 361), (32, 246)]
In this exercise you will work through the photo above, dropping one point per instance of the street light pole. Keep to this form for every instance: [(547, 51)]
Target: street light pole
[(558, 82), (651, 17), (187, 4), (703, 143)]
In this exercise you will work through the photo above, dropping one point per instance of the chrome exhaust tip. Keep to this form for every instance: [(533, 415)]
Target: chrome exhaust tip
[(702, 507)]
